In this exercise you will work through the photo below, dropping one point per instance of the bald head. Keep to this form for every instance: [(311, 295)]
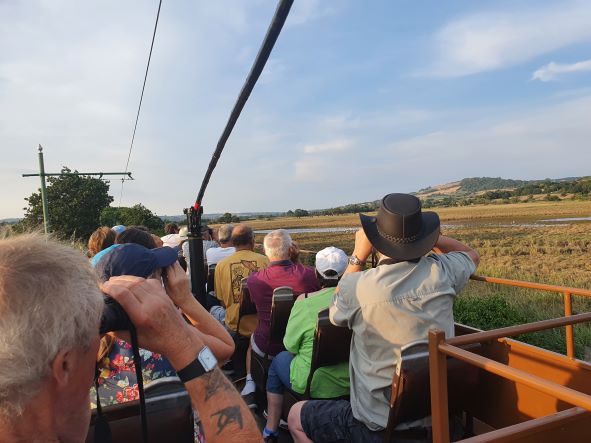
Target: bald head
[(242, 237)]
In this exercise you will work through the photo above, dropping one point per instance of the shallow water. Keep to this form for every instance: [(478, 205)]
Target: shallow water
[(530, 224), (566, 220)]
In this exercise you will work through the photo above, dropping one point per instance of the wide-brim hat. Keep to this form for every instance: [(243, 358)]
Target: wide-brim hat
[(400, 230)]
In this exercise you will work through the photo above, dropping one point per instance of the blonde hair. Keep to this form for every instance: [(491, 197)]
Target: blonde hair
[(49, 302)]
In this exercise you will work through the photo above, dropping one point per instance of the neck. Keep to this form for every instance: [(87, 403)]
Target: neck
[(225, 244), (271, 259), (244, 248), (37, 423)]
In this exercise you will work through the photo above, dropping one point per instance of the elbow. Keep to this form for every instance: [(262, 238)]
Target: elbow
[(475, 257)]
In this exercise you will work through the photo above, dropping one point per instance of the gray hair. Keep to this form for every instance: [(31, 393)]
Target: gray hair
[(277, 244), (49, 302), (225, 233)]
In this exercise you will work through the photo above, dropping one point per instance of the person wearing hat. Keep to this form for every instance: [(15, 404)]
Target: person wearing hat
[(291, 368), (409, 292), (117, 380)]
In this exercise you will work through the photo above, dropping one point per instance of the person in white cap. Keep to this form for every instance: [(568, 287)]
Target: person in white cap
[(291, 368)]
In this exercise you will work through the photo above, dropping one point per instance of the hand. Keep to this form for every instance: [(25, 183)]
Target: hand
[(176, 284), (160, 326), (362, 245), (294, 252)]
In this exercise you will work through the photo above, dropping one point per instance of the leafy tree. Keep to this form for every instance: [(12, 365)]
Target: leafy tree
[(301, 213), (135, 215), (228, 218), (74, 202)]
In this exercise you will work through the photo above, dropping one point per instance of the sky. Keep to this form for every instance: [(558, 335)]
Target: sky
[(358, 99)]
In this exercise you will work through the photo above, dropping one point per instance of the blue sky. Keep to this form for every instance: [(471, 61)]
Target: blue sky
[(358, 99)]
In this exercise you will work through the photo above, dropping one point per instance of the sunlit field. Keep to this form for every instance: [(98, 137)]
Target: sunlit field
[(514, 242)]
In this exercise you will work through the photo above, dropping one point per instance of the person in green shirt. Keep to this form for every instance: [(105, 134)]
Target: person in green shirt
[(291, 368)]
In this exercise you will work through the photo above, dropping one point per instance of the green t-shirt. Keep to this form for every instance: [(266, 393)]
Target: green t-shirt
[(329, 381)]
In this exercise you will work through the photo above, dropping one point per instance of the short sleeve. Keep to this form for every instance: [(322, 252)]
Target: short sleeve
[(458, 267), (294, 333), (341, 310)]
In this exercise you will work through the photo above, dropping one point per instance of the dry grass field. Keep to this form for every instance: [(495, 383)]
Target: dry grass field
[(514, 243)]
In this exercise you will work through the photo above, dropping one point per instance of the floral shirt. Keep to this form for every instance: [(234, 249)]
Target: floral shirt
[(117, 379)]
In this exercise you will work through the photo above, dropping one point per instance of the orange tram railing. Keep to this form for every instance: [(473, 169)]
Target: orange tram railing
[(440, 348), (567, 297)]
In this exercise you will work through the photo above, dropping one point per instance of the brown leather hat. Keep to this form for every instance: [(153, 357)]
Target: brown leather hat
[(401, 230)]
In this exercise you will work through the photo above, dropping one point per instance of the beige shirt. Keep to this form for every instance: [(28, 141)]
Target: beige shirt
[(388, 307)]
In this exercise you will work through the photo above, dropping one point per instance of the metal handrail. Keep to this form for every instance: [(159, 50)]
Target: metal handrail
[(567, 293), (440, 348)]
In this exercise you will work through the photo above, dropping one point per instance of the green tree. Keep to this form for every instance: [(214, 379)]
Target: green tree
[(74, 202), (301, 213), (129, 216)]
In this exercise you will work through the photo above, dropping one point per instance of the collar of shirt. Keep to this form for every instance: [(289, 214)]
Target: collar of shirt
[(280, 263)]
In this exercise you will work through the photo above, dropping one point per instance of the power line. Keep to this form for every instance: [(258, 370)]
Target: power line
[(141, 97)]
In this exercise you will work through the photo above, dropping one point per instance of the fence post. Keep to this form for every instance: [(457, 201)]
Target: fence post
[(438, 381), (570, 339)]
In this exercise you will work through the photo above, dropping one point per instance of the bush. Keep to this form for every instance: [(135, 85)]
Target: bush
[(490, 312)]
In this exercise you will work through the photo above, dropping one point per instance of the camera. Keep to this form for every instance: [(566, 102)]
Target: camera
[(114, 317)]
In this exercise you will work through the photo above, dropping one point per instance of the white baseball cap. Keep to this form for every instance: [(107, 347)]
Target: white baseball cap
[(333, 259)]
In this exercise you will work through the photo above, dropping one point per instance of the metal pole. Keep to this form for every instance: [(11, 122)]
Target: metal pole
[(569, 330), (196, 262), (43, 191)]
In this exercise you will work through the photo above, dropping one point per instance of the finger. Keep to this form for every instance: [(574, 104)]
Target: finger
[(123, 295), (126, 279)]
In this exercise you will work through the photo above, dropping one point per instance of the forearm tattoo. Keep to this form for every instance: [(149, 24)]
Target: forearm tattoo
[(227, 416), (216, 382)]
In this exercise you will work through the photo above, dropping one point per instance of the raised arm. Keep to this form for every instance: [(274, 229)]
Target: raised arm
[(161, 328), (447, 244), (211, 332)]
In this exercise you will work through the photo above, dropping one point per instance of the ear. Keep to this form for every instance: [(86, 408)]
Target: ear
[(63, 367)]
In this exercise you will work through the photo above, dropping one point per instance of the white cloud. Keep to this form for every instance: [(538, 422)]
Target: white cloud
[(304, 11), (552, 70), (330, 146), (495, 40), (550, 141)]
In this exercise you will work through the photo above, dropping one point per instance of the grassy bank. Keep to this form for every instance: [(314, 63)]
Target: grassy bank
[(512, 245)]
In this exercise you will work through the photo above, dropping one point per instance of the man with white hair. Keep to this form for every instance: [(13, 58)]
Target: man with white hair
[(48, 353), (215, 254), (280, 272)]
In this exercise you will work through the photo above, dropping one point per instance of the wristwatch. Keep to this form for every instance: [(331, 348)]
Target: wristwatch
[(353, 260), (204, 363)]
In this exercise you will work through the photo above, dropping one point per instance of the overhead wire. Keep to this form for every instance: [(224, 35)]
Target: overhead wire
[(141, 99)]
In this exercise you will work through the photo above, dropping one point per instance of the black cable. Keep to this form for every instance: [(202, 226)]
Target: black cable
[(141, 98), (273, 32), (140, 381)]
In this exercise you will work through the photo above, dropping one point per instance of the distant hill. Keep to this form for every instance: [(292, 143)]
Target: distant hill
[(484, 190)]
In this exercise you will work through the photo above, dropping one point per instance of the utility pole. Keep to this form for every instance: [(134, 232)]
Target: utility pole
[(43, 191), (42, 176)]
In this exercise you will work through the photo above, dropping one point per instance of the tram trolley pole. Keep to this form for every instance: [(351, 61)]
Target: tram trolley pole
[(194, 213)]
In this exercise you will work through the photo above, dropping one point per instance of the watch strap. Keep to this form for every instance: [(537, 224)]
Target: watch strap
[(192, 370)]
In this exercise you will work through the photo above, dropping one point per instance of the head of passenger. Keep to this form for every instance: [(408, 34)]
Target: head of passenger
[(171, 228), (48, 353), (331, 263), (206, 233), (118, 229), (100, 239), (135, 234), (243, 237), (278, 245), (225, 235)]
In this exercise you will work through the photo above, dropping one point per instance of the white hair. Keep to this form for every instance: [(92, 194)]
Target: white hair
[(49, 302), (277, 244), (225, 233)]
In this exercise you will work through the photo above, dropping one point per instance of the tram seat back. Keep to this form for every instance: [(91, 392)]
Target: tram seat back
[(210, 278), (332, 345), (411, 395), (169, 414), (283, 301)]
